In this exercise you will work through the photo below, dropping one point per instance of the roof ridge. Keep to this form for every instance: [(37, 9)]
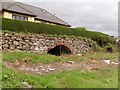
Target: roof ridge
[(15, 3), (10, 5), (30, 5), (24, 8)]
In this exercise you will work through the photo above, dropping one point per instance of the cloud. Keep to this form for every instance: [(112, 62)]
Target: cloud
[(68, 0)]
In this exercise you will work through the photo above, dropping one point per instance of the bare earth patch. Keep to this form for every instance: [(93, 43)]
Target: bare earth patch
[(39, 68)]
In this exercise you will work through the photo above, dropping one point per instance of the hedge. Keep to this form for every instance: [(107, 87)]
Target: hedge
[(23, 26)]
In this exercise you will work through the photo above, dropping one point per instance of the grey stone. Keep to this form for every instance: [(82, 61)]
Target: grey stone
[(18, 39), (5, 46), (13, 37), (16, 43), (36, 48), (26, 47), (12, 47), (19, 47)]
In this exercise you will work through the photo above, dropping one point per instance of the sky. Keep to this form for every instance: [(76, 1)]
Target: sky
[(94, 15)]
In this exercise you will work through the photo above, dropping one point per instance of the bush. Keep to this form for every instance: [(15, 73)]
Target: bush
[(23, 26)]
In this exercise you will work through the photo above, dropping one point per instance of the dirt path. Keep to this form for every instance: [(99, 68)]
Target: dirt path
[(26, 67)]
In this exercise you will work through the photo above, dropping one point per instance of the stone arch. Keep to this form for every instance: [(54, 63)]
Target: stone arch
[(59, 49)]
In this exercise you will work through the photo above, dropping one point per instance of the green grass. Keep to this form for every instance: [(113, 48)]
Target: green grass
[(103, 56), (102, 78), (92, 56), (34, 58), (46, 58)]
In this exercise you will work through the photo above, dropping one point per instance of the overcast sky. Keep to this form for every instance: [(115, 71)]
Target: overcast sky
[(95, 15)]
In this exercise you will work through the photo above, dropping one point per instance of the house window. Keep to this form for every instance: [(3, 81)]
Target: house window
[(17, 17)]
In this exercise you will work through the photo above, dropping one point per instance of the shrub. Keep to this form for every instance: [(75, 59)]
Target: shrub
[(23, 26)]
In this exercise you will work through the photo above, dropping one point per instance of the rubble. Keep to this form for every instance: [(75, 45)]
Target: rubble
[(40, 69), (71, 62), (107, 61), (114, 63), (110, 62)]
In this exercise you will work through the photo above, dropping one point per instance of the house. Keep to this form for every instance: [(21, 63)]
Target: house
[(21, 11)]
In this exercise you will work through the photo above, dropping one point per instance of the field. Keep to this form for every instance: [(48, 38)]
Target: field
[(86, 71)]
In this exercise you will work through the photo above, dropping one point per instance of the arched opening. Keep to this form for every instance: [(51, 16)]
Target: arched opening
[(59, 49)]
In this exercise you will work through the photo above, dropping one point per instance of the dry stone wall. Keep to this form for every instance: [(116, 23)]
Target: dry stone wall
[(42, 43)]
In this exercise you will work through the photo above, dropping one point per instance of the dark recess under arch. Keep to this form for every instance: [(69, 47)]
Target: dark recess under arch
[(59, 49)]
